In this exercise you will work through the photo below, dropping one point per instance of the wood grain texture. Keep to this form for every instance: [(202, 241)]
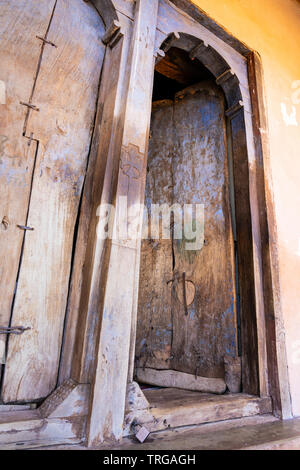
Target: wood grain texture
[(174, 379), (106, 419), (20, 22), (245, 256), (208, 332), (66, 92), (187, 164), (202, 18), (272, 338), (172, 19), (31, 430)]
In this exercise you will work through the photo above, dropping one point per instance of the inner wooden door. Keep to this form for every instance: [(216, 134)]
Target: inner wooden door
[(187, 310), (51, 57)]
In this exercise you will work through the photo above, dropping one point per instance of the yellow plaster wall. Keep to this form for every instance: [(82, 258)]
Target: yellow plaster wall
[(272, 27)]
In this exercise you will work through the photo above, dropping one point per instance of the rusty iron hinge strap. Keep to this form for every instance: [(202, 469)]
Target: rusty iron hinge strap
[(15, 330)]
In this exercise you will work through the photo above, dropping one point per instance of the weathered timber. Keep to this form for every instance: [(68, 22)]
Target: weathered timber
[(135, 399), (106, 419), (172, 408), (195, 12), (233, 373), (268, 327), (172, 378), (272, 354), (106, 10), (245, 201), (202, 338), (28, 429), (20, 51), (245, 256), (69, 400), (187, 308), (65, 90), (193, 34)]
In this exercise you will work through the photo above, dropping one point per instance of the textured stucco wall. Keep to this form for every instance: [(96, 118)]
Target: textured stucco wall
[(272, 27)]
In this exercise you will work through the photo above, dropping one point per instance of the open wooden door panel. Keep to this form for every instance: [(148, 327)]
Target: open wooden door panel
[(62, 74)]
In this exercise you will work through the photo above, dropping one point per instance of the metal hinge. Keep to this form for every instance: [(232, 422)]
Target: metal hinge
[(14, 330)]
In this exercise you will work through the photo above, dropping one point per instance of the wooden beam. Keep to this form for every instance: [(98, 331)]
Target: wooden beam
[(110, 382)]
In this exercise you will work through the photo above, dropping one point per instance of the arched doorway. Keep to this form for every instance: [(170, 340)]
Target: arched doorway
[(52, 73)]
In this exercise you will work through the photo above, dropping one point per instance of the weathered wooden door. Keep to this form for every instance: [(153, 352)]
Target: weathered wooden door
[(51, 57), (187, 298)]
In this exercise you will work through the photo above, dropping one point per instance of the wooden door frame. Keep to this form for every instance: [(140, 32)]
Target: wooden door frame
[(239, 72), (98, 350)]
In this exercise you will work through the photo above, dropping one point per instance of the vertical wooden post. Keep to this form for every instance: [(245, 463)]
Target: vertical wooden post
[(112, 356), (274, 340)]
